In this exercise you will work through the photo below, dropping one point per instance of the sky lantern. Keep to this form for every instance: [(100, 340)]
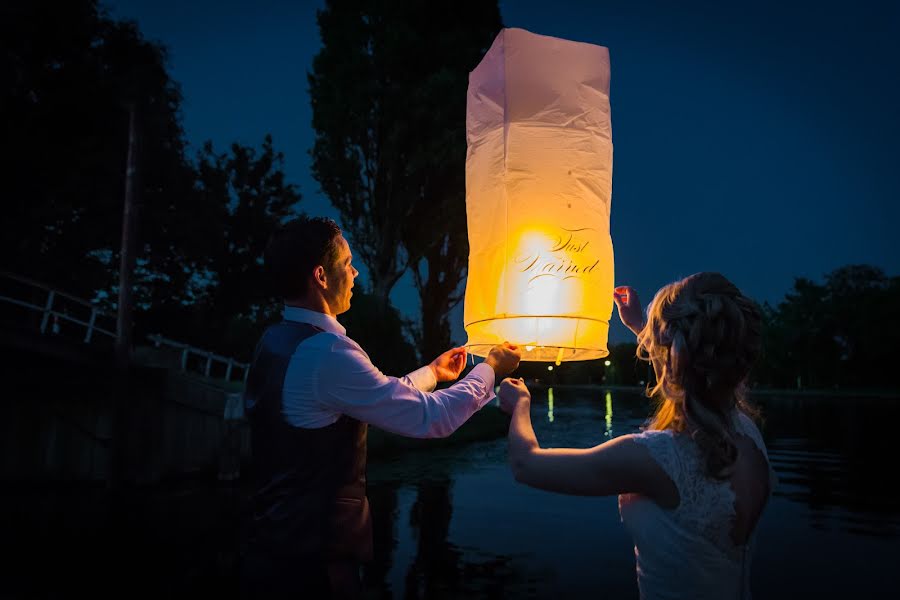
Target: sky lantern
[(538, 192)]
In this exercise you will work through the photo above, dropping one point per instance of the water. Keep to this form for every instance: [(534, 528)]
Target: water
[(460, 526), (452, 522)]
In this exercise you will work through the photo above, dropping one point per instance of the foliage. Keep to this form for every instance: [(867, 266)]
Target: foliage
[(238, 199), (70, 74), (624, 369), (359, 119), (73, 73), (388, 95), (379, 330), (435, 237), (836, 334)]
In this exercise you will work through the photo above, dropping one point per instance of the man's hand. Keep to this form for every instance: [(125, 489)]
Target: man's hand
[(504, 359), (513, 391), (449, 365), (629, 306)]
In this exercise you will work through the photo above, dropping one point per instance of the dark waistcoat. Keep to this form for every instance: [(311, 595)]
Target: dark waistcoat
[(309, 499)]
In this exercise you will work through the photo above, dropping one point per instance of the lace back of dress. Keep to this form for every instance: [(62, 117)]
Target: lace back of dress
[(707, 505)]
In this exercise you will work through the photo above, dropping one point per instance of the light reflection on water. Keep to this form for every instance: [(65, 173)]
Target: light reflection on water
[(452, 522), (461, 526), (609, 415), (550, 405)]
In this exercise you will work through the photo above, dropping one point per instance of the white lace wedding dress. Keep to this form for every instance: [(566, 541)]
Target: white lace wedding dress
[(687, 552)]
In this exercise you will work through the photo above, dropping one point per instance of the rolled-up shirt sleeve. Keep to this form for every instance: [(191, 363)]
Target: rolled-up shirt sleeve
[(348, 382), (421, 379)]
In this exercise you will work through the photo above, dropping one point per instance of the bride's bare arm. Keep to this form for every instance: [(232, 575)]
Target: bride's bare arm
[(618, 466)]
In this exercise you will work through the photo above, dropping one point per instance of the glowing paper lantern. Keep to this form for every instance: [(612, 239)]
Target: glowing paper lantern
[(538, 191)]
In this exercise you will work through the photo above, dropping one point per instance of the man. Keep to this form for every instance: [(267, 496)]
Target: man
[(310, 394)]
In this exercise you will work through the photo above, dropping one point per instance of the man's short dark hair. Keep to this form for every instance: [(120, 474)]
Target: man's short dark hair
[(295, 249)]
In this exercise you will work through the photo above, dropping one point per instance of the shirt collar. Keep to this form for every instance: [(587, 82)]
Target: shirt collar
[(320, 320)]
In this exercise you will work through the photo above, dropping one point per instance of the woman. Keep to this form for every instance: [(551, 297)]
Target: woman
[(693, 485)]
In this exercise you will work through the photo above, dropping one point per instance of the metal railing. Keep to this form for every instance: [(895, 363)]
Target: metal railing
[(50, 308), (208, 359), (54, 307)]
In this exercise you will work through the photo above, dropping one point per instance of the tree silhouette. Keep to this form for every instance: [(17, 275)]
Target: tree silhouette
[(220, 235), (837, 334), (70, 74), (435, 236), (359, 117), (388, 96)]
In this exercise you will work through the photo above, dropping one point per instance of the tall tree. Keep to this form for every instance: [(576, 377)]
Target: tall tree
[(840, 333), (220, 235), (436, 235), (803, 336), (388, 94), (384, 71), (357, 115), (69, 75), (862, 305)]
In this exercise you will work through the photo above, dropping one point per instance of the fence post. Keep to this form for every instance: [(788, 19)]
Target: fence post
[(90, 329), (246, 372), (47, 310), (184, 356), (208, 362), (228, 370)]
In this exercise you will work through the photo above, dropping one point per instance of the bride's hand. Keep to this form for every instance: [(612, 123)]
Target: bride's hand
[(513, 391), (629, 306)]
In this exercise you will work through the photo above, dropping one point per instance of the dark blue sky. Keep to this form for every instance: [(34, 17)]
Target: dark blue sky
[(758, 139)]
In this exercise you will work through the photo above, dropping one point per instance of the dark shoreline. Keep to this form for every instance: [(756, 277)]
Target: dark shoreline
[(761, 393)]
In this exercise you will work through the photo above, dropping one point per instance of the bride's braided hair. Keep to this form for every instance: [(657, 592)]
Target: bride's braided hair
[(702, 336)]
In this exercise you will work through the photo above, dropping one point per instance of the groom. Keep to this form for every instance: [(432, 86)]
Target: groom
[(310, 394)]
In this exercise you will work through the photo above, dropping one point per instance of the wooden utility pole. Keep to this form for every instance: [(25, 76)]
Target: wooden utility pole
[(124, 317)]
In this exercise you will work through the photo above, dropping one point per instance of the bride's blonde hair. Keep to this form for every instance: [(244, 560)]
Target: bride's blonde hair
[(702, 337)]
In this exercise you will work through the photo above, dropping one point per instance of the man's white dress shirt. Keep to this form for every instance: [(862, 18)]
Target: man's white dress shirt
[(330, 375)]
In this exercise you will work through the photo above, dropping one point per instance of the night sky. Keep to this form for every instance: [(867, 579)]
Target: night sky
[(758, 139)]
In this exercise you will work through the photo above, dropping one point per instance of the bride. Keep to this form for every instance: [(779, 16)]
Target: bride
[(692, 486)]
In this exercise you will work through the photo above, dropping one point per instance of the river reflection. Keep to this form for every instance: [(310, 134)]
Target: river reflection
[(452, 522)]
